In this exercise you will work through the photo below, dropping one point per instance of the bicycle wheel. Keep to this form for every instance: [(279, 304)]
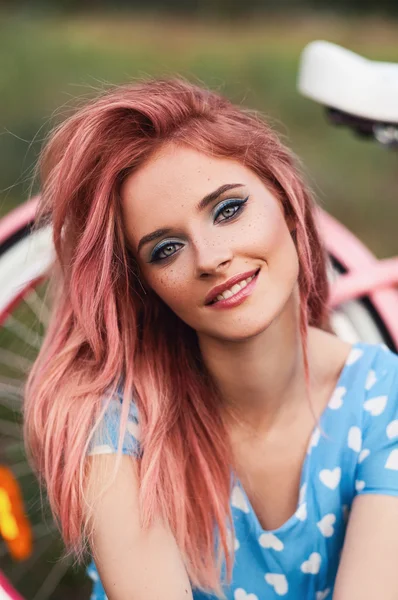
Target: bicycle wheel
[(24, 260), (23, 318), (357, 320)]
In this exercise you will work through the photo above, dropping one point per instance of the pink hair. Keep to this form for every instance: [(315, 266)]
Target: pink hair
[(102, 332)]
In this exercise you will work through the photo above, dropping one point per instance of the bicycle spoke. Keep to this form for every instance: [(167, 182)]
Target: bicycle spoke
[(11, 389), (15, 361), (23, 332), (34, 506), (15, 446), (52, 579), (38, 307), (43, 529), (12, 381), (21, 470), (21, 336), (10, 428), (20, 570), (10, 401)]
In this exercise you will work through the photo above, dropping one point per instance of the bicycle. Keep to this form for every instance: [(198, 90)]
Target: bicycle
[(364, 302)]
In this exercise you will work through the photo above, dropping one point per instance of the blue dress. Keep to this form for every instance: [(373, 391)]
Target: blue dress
[(357, 453)]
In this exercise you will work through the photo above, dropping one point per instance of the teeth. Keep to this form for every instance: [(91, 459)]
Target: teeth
[(234, 289)]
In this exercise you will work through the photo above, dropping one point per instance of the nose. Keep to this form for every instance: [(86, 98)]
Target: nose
[(211, 256)]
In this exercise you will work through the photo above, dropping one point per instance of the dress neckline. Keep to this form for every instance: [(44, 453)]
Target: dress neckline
[(294, 518)]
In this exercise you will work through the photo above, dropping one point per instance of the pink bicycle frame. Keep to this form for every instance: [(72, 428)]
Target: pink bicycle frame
[(366, 275), (7, 592)]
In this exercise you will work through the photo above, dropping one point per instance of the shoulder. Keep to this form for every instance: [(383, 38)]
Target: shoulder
[(354, 372), (370, 370), (370, 380), (381, 357), (377, 468), (106, 435), (380, 380), (365, 396)]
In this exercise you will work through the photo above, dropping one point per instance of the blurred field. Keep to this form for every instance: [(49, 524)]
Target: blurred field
[(45, 63)]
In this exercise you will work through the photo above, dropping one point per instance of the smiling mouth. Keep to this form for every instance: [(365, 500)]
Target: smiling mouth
[(235, 289)]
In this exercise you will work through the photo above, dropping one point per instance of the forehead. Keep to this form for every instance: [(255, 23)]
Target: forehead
[(183, 172), (172, 182)]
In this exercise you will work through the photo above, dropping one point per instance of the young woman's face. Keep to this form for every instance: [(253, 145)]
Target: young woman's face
[(194, 248)]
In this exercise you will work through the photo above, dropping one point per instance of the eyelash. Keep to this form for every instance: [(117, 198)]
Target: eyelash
[(238, 203)]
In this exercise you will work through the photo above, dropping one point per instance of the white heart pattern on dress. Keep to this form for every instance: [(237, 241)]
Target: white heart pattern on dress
[(322, 595), (354, 355), (269, 540), (330, 478), (392, 460), (302, 493), (238, 499), (355, 439), (375, 405), (325, 525), (301, 512), (370, 380), (134, 429), (314, 439), (241, 594), (313, 564), (336, 400), (102, 449), (93, 574), (359, 485), (392, 429), (235, 540), (278, 582), (363, 454)]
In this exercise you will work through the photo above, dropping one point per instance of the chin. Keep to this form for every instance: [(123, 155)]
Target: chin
[(238, 330)]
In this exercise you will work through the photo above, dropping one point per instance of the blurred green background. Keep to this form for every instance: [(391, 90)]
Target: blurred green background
[(54, 52), (51, 53)]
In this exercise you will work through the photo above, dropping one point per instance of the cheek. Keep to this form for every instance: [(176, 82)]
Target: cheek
[(283, 257), (279, 249), (269, 232), (172, 287)]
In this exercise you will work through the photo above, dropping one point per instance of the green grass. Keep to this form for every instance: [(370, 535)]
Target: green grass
[(46, 63)]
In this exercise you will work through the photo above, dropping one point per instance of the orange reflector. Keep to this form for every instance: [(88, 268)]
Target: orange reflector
[(14, 524)]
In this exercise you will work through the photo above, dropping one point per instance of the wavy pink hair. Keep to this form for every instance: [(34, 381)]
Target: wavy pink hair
[(102, 332)]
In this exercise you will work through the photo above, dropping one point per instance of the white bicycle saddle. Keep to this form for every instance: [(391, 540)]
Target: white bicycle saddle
[(341, 79)]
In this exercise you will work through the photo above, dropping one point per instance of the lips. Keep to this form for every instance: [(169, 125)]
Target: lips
[(219, 289)]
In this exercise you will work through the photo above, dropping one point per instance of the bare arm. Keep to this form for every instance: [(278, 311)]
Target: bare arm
[(132, 563), (369, 562)]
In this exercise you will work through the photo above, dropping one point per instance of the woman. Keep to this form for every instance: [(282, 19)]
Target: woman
[(190, 332)]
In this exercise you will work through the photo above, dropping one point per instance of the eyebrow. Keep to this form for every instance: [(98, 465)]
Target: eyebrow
[(208, 199)]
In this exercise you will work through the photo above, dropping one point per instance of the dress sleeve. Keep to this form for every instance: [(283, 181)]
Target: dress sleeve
[(377, 467), (105, 438)]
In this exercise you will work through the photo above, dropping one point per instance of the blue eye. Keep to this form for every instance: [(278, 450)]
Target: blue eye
[(230, 208), (234, 206), (165, 249)]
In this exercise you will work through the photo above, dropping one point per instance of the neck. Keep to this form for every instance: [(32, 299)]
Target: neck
[(261, 379)]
